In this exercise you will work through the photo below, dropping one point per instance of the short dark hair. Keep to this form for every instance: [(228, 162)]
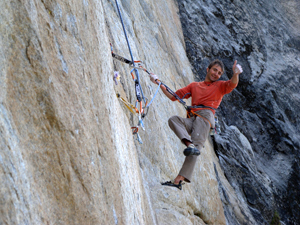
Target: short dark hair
[(217, 62)]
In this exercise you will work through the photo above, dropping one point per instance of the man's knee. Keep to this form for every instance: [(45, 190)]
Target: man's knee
[(172, 120)]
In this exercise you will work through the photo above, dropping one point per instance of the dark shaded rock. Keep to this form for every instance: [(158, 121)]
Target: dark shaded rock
[(259, 151)]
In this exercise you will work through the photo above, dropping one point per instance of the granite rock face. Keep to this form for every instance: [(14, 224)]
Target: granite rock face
[(259, 147), (68, 155)]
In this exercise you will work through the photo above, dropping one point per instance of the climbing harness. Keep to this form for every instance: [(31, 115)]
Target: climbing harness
[(188, 108), (200, 106)]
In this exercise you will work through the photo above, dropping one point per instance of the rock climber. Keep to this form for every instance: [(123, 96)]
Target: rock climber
[(194, 130)]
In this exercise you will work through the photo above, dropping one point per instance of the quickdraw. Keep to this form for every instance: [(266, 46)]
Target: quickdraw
[(127, 104), (138, 108), (134, 109), (135, 132), (135, 76)]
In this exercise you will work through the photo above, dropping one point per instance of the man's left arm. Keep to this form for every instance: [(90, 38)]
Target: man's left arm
[(237, 70)]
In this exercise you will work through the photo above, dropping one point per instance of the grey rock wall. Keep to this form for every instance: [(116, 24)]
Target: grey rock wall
[(259, 147)]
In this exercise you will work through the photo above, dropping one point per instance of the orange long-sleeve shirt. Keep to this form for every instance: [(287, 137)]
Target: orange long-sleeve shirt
[(206, 93)]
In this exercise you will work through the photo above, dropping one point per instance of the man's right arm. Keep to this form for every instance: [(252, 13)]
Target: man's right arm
[(164, 90)]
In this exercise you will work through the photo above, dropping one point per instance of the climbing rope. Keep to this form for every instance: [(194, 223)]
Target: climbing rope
[(133, 62), (138, 108)]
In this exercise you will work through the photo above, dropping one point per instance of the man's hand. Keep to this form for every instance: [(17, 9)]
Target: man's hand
[(153, 78), (237, 69)]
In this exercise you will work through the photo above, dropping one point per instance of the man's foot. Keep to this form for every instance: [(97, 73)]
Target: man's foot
[(171, 184), (191, 150)]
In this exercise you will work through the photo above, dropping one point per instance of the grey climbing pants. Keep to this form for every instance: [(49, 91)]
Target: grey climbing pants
[(195, 130)]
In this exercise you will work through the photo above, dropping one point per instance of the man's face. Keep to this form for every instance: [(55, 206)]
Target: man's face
[(214, 73)]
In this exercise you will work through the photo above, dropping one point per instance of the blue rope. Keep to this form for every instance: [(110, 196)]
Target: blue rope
[(154, 95), (124, 31), (135, 70), (186, 95)]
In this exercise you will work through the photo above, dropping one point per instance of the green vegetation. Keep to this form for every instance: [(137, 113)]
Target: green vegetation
[(275, 219)]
